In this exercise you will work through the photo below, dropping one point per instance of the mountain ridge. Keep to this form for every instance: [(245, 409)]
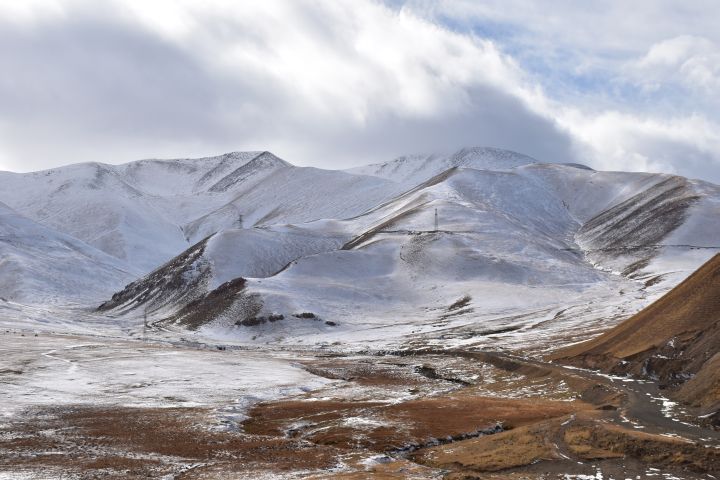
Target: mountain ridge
[(506, 221), (498, 228)]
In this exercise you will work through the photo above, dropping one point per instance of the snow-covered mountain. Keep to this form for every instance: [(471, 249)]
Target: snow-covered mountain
[(146, 212), (39, 265), (295, 195), (414, 169), (249, 247), (511, 236)]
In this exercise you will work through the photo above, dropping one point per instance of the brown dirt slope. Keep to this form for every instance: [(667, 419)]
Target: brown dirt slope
[(676, 340)]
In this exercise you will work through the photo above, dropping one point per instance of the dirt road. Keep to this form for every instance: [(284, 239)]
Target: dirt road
[(644, 408)]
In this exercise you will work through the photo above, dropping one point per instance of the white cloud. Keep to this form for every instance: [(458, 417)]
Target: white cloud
[(351, 81), (623, 141), (605, 31), (29, 12), (343, 57), (326, 83), (636, 86), (690, 61)]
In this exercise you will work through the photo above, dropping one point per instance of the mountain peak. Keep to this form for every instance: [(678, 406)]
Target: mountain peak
[(414, 169), (247, 156), (493, 154), (263, 162), (269, 159)]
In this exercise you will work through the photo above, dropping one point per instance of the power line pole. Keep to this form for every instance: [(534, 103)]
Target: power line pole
[(436, 220)]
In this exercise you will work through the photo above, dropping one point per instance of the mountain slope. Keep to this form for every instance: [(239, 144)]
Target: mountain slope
[(96, 204), (247, 236), (41, 266), (295, 195), (512, 238), (223, 257), (630, 232), (473, 209), (415, 169), (148, 211), (647, 226), (674, 340)]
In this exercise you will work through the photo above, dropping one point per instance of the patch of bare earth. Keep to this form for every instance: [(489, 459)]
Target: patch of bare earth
[(596, 440), (386, 427), (147, 443), (569, 446)]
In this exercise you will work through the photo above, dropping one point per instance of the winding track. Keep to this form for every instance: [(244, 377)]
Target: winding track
[(642, 408)]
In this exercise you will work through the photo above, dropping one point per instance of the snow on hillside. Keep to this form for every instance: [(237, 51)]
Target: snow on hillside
[(296, 195), (472, 203), (94, 203), (415, 169), (247, 247), (507, 241), (41, 266), (222, 257), (263, 252), (186, 176), (647, 225), (147, 212), (659, 234), (500, 235)]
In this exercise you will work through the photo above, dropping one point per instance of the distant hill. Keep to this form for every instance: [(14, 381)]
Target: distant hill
[(415, 169)]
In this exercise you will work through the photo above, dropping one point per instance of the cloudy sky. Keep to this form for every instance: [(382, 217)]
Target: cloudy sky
[(337, 83)]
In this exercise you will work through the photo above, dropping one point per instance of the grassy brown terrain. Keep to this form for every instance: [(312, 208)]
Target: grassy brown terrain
[(147, 443), (382, 427), (514, 448), (585, 437), (385, 418), (672, 340), (597, 440)]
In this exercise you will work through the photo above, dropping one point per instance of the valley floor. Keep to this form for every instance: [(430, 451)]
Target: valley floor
[(240, 317), (86, 406)]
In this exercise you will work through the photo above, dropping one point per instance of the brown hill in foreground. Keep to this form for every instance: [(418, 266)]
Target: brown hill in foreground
[(675, 340)]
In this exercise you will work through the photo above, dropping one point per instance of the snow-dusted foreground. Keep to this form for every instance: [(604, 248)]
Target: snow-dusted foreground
[(80, 406), (56, 370)]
